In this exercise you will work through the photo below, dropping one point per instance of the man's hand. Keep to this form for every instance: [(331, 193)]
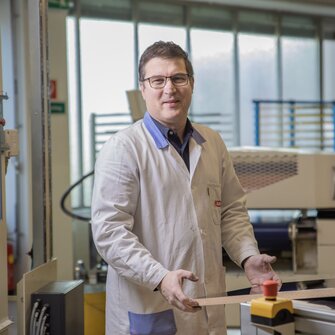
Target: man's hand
[(258, 269), (171, 289)]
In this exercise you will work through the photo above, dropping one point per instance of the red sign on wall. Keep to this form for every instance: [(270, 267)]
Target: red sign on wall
[(53, 89)]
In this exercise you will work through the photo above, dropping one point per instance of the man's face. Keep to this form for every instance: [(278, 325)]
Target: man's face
[(168, 105)]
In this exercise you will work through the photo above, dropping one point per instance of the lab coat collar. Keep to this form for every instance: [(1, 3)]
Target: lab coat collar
[(160, 141)]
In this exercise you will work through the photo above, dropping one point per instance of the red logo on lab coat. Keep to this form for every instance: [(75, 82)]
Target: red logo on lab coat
[(217, 203)]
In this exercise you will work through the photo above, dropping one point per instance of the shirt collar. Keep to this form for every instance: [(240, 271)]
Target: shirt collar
[(159, 132)]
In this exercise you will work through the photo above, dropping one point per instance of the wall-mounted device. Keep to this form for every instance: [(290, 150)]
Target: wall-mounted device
[(58, 308)]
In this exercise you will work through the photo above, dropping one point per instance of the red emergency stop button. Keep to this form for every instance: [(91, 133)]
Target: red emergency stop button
[(270, 289)]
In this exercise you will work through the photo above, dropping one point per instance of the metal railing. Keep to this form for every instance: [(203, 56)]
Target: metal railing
[(104, 125), (295, 123)]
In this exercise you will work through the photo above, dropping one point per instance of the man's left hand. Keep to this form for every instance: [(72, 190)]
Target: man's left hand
[(258, 269)]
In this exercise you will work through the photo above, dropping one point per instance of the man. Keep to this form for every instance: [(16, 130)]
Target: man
[(166, 200)]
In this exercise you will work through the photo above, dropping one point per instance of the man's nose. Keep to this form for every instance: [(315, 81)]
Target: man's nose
[(169, 86)]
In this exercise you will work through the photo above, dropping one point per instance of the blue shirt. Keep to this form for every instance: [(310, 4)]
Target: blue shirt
[(172, 137)]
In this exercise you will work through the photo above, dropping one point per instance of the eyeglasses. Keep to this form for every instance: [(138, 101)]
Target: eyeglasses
[(157, 82)]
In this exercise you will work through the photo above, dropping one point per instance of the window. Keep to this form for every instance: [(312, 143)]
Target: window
[(227, 79), (300, 68), (258, 78), (213, 98), (329, 69), (301, 82), (329, 89), (150, 33), (107, 71)]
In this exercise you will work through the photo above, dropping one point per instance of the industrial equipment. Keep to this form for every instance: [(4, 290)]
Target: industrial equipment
[(271, 313), (313, 311), (58, 308), (311, 317), (291, 198)]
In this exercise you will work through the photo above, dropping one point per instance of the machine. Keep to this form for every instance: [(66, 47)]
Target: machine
[(291, 198), (271, 313), (311, 317)]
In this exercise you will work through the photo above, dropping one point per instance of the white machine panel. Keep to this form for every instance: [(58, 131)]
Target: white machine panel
[(279, 179)]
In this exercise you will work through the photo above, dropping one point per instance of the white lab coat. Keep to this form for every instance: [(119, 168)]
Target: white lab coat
[(151, 215)]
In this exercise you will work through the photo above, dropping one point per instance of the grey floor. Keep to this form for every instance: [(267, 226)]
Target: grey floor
[(234, 331)]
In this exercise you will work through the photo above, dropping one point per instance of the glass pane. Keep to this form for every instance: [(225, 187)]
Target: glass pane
[(107, 64), (73, 108), (210, 17), (150, 33), (256, 22), (258, 78), (115, 4), (213, 97), (300, 70), (107, 9), (160, 13), (298, 26), (329, 69), (329, 92), (301, 82)]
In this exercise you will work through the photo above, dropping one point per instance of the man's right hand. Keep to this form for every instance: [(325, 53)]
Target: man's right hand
[(171, 289)]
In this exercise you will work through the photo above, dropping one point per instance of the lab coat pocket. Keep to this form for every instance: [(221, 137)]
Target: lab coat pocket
[(161, 323), (214, 194)]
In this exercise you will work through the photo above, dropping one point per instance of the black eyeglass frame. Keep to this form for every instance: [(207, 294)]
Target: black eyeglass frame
[(187, 77)]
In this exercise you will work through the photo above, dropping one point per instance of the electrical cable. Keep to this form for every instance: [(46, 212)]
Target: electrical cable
[(39, 322), (45, 332), (43, 328), (65, 195), (35, 306), (35, 322)]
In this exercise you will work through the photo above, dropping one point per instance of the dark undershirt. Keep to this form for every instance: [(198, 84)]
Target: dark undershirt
[(172, 137)]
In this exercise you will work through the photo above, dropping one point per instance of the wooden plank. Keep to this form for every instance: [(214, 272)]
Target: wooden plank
[(291, 295)]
